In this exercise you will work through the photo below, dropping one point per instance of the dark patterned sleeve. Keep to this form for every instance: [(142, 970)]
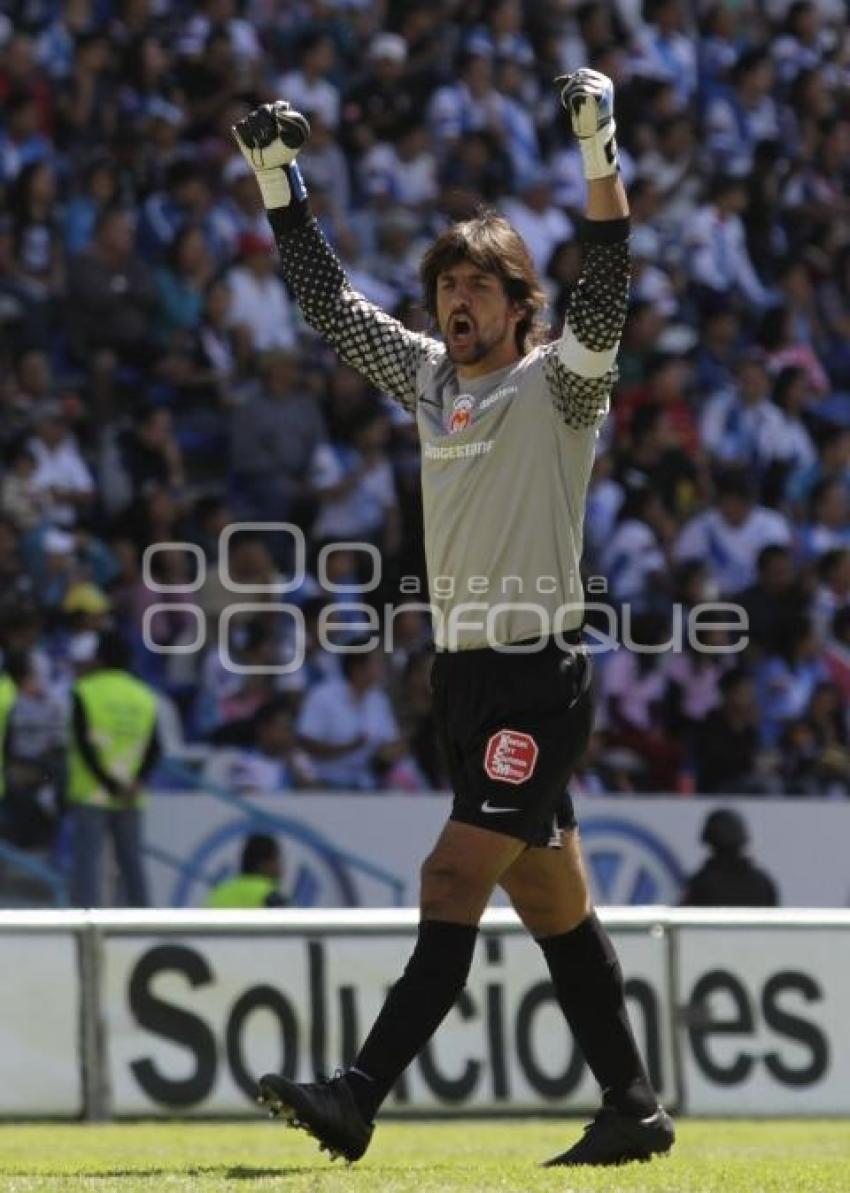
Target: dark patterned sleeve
[(580, 366), (367, 338)]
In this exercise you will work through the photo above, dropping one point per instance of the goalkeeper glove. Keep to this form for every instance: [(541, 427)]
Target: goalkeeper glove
[(588, 96), (270, 139)]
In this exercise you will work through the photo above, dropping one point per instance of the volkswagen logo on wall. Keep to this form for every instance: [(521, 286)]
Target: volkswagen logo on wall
[(318, 872), (628, 864)]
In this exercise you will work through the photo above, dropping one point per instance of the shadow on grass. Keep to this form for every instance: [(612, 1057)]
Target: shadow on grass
[(240, 1173)]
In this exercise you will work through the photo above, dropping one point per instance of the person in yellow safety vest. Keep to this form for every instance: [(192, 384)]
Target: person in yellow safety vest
[(113, 748), (256, 885), (8, 696), (33, 739)]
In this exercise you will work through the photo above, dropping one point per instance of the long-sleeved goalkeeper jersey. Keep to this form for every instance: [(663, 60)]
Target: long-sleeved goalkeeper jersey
[(506, 458)]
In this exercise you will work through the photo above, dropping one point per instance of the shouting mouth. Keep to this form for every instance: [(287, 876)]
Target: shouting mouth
[(461, 330)]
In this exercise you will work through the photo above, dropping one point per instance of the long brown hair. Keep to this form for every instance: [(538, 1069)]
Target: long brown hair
[(492, 245)]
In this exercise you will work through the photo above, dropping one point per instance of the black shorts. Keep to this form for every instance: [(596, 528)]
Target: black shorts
[(511, 728)]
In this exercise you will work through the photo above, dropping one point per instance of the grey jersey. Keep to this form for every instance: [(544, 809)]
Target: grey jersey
[(506, 458)]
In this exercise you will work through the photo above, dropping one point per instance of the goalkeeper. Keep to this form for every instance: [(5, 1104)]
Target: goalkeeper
[(508, 426)]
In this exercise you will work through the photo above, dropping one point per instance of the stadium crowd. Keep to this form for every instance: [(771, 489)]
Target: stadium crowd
[(157, 384)]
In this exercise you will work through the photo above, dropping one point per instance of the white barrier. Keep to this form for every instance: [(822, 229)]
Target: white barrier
[(175, 1013)]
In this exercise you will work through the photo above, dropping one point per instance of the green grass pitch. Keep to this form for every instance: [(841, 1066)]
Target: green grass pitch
[(428, 1157)]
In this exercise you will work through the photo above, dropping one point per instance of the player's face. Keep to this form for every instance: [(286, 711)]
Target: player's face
[(475, 317)]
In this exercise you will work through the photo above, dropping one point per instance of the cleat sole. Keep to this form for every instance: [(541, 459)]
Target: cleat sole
[(288, 1116)]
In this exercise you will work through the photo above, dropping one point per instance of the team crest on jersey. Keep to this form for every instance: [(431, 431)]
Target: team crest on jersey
[(510, 756), (461, 415)]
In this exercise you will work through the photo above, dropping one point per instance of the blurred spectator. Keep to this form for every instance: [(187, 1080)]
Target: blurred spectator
[(727, 753), (149, 454), (381, 104), (832, 593), (786, 348), (803, 45), (472, 105), (787, 446), (663, 50), (98, 191), (836, 656), (833, 298), (739, 117), (259, 307), (324, 167), (740, 420), (521, 137), (816, 750), (37, 231), (111, 294), (694, 676), (247, 561), (653, 458), (403, 171), (21, 498), (774, 601), (356, 489), (644, 323), (275, 438), (185, 198), (503, 35), (671, 164), (257, 884), (308, 89), (728, 878), (787, 678), (348, 727), (34, 739), (416, 717), (237, 682), (268, 763), (635, 558), (718, 259), (596, 26), (732, 535), (240, 207), (828, 525), (634, 690), (718, 351), (86, 110), (718, 47), (219, 349), (216, 63), (541, 224), (181, 282), (16, 582), (22, 143), (61, 474), (665, 382)]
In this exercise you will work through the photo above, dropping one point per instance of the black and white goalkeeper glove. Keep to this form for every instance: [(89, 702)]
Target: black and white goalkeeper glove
[(588, 96), (270, 139)]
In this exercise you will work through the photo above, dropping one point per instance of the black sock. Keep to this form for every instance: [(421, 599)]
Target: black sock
[(588, 983), (415, 1007)]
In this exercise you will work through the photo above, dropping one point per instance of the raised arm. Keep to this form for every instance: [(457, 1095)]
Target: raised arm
[(580, 366), (365, 337)]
